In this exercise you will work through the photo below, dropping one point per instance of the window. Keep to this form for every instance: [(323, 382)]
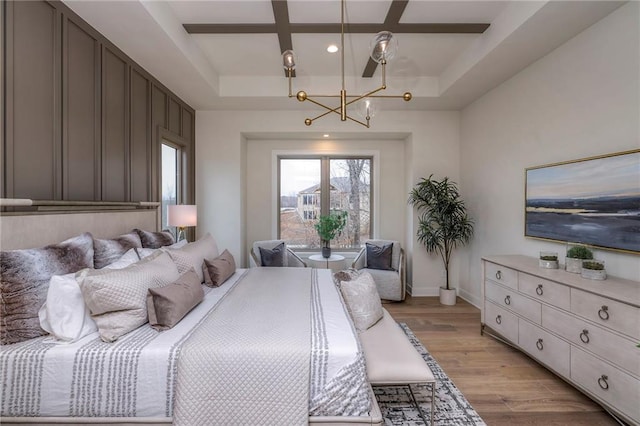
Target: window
[(314, 186), (170, 180)]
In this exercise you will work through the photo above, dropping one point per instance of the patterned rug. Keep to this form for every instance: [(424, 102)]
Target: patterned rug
[(452, 408)]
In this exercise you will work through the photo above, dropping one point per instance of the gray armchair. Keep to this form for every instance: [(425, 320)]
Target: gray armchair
[(291, 259), (390, 283)]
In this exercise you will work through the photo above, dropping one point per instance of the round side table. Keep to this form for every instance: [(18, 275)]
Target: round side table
[(335, 262)]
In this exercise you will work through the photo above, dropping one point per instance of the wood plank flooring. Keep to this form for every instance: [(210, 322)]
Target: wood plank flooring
[(505, 386)]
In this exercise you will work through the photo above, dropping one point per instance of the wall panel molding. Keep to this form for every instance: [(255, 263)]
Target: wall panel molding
[(82, 119)]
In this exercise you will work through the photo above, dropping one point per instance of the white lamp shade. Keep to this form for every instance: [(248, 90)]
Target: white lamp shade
[(182, 215)]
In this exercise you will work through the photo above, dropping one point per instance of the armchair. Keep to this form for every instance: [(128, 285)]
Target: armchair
[(390, 283), (291, 259)]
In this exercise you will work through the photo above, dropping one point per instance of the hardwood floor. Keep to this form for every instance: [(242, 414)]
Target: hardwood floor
[(505, 386)]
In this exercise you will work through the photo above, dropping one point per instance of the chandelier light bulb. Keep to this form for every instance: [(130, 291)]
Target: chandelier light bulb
[(368, 108), (288, 60), (383, 46)]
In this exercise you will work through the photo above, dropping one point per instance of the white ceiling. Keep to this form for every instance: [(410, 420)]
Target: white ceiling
[(443, 71)]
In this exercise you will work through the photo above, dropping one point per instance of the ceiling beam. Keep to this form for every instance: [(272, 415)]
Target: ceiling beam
[(281, 16), (390, 21), (457, 28)]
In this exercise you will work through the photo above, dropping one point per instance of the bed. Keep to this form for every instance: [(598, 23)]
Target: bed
[(174, 376)]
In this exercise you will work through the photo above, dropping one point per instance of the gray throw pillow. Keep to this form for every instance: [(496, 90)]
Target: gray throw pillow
[(155, 240), (169, 304), (108, 251), (25, 282), (273, 257), (218, 270), (379, 257)]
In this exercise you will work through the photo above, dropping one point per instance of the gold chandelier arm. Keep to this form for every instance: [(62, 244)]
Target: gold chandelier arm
[(359, 122), (289, 72), (324, 106), (366, 95), (326, 113)]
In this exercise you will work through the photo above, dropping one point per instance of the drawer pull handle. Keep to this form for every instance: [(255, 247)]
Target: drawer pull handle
[(507, 300), (499, 319), (499, 275), (603, 313), (602, 382), (584, 336), (539, 290), (539, 345)]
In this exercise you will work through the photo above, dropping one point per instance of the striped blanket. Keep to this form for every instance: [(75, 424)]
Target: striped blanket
[(136, 375)]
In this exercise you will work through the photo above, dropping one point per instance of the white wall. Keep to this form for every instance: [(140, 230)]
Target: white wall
[(581, 100), (225, 147)]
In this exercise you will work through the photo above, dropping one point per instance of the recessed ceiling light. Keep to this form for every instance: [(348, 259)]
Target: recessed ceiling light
[(332, 48), (325, 135)]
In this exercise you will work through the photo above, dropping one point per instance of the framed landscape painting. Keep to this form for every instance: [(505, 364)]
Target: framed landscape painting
[(593, 201)]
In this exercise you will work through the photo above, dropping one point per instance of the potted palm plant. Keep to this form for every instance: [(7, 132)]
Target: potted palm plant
[(328, 227), (443, 223)]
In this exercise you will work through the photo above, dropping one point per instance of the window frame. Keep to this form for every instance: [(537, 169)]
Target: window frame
[(325, 193), (165, 137)]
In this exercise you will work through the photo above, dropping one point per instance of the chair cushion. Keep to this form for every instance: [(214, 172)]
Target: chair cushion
[(273, 257), (390, 357), (387, 282), (379, 257)]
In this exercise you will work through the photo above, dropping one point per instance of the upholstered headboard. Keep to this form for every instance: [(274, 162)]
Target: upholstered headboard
[(37, 229)]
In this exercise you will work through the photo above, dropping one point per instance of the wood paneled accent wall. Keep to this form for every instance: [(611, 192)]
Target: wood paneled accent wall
[(82, 121)]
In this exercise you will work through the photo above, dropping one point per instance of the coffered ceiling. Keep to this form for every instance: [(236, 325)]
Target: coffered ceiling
[(221, 54)]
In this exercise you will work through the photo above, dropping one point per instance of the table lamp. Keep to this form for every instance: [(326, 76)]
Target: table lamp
[(181, 216)]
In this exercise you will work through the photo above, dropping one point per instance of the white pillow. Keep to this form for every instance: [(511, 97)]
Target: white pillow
[(64, 314), (118, 298), (363, 301), (146, 252), (193, 255)]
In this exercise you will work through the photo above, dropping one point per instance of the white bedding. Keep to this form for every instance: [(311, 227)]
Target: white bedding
[(135, 376)]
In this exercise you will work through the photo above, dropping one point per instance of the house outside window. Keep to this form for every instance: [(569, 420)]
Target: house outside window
[(314, 186)]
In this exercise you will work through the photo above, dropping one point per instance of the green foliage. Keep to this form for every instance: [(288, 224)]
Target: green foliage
[(551, 258), (443, 222), (579, 252), (329, 226), (594, 266)]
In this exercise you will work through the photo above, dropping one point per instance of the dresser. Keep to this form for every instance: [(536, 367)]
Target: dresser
[(584, 331)]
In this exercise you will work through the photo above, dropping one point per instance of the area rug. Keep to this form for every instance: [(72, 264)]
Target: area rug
[(452, 408)]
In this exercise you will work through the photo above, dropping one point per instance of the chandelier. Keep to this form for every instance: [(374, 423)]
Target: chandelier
[(383, 48)]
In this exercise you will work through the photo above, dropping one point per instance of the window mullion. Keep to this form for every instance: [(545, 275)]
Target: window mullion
[(325, 183)]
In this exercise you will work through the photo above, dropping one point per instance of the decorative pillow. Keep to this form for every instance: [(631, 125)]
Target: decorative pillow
[(273, 257), (25, 281), (64, 315), (218, 270), (144, 252), (346, 275), (193, 254), (155, 240), (363, 301), (117, 299), (169, 304), (107, 251), (379, 257)]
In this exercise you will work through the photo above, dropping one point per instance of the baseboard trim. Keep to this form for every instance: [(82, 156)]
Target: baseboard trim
[(471, 298)]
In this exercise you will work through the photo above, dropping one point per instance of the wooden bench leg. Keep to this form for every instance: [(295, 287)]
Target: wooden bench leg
[(415, 402)]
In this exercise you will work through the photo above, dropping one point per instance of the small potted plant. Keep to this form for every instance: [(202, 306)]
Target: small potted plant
[(575, 255), (548, 260), (593, 269), (328, 227)]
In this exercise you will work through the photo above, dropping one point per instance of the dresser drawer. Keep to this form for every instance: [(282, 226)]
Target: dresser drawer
[(606, 382), (513, 301), (502, 275), (544, 346), (545, 290), (501, 320), (612, 347), (606, 312)]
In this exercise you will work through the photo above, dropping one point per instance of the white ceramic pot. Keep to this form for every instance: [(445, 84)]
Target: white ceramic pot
[(573, 265), (447, 297)]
